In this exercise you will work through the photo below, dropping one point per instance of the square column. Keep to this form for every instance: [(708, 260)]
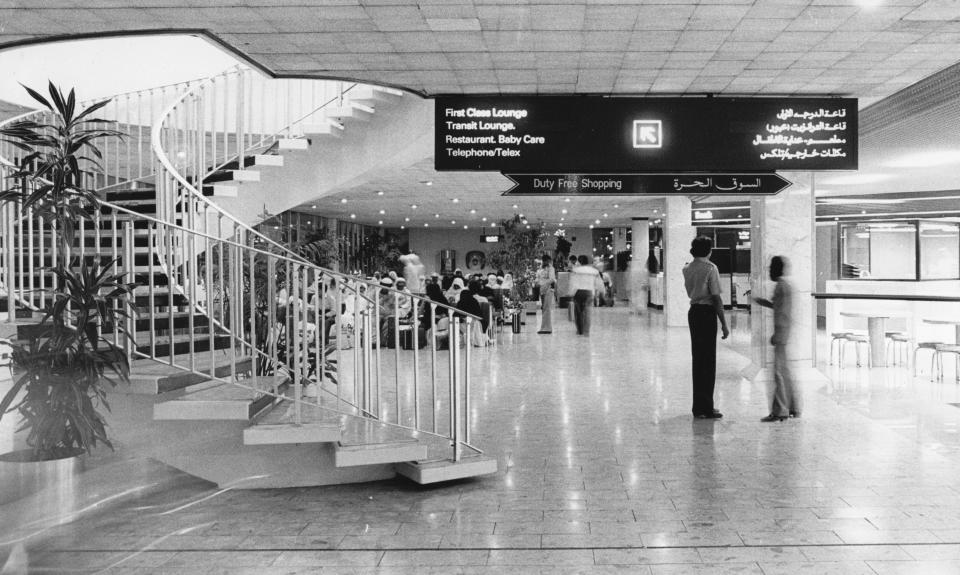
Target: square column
[(678, 232), (784, 225), (639, 279)]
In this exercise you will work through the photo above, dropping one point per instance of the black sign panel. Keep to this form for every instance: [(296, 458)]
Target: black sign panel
[(645, 184), (593, 134)]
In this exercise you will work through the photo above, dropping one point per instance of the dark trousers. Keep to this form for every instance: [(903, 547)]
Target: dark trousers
[(582, 300), (702, 320)]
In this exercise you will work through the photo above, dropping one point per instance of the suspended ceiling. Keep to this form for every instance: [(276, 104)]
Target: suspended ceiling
[(676, 47)]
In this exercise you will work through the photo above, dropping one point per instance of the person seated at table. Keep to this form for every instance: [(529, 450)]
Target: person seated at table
[(453, 294), (404, 300), (476, 288), (468, 304), (434, 293)]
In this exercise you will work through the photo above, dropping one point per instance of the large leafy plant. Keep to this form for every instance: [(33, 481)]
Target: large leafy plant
[(521, 248), (62, 368), (60, 157)]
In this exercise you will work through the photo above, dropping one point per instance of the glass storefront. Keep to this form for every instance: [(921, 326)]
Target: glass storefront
[(889, 250)]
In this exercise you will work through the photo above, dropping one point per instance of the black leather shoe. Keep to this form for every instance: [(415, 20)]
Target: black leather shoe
[(715, 415), (773, 417)]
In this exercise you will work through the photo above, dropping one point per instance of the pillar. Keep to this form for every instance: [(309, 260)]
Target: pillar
[(784, 225), (640, 248), (678, 232)]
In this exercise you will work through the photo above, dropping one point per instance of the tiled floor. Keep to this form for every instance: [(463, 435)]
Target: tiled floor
[(602, 470)]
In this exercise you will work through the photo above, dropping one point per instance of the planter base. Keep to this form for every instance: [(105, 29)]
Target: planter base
[(20, 477)]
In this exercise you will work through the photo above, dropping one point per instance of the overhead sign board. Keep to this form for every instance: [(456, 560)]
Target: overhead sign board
[(645, 184), (594, 134)]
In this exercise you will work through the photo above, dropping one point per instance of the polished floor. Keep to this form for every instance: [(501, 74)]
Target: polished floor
[(602, 470)]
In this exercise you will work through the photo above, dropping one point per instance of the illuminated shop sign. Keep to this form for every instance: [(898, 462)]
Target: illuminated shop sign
[(594, 134), (490, 239)]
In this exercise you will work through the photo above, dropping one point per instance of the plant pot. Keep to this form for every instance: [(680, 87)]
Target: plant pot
[(20, 476)]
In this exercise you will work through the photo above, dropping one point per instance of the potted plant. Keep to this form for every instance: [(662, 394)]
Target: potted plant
[(62, 369)]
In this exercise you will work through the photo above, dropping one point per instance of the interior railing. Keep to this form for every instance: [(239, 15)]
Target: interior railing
[(218, 299)]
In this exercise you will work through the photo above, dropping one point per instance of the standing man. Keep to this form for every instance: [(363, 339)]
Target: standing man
[(546, 281), (785, 401), (584, 282), (702, 280)]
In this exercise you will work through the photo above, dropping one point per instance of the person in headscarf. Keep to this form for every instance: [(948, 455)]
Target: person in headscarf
[(453, 294)]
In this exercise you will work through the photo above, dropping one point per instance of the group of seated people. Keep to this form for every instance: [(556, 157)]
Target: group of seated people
[(395, 303)]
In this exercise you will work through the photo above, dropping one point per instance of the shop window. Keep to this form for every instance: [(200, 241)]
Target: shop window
[(939, 250), (879, 250)]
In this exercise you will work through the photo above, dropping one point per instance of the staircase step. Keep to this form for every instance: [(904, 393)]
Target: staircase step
[(222, 190), (154, 377), (181, 345), (427, 472), (325, 129), (349, 111), (369, 442), (268, 160), (123, 196), (221, 401), (293, 144), (367, 94), (278, 426)]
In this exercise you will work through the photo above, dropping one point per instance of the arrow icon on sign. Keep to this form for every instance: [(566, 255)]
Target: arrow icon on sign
[(647, 133)]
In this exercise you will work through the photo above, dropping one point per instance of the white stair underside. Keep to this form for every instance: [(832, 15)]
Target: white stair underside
[(293, 144), (426, 472)]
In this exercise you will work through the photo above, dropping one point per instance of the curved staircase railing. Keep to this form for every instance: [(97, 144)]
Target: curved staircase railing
[(221, 301)]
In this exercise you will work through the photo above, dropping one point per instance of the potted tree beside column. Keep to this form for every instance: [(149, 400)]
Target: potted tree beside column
[(62, 369)]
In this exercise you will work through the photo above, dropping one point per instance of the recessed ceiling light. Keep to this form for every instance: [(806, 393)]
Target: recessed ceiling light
[(855, 179), (403, 227), (515, 206), (426, 225), (313, 207), (455, 200), (483, 219), (413, 206), (465, 227), (863, 211), (926, 159), (616, 205), (353, 216), (528, 227), (591, 226), (406, 219), (383, 212), (566, 200), (563, 211), (560, 224), (596, 221), (473, 211), (563, 219), (524, 222), (436, 215), (427, 183), (604, 215), (380, 222), (380, 193), (343, 200), (454, 222)]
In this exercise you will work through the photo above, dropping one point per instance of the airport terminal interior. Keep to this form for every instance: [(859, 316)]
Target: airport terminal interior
[(273, 299)]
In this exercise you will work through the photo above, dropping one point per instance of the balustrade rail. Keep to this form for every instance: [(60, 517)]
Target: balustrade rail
[(217, 298)]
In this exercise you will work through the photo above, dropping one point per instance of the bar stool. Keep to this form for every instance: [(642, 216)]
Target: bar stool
[(898, 342), (932, 346), (940, 351), (838, 337), (857, 339)]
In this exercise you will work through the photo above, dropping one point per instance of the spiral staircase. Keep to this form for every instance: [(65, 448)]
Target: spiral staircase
[(248, 392)]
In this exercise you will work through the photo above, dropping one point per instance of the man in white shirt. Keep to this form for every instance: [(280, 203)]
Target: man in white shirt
[(702, 280), (584, 282)]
